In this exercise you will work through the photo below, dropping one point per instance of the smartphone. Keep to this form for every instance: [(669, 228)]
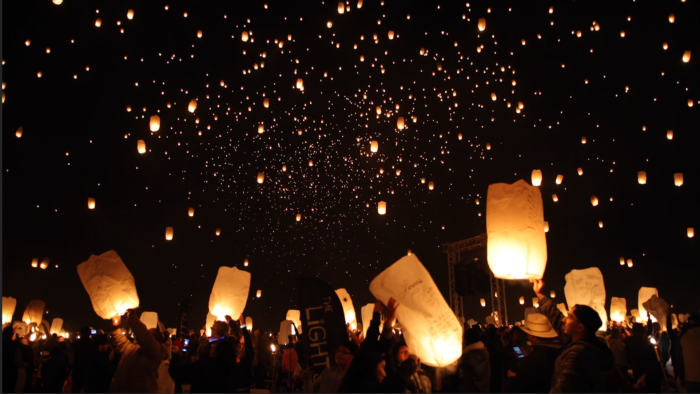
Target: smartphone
[(519, 352), (187, 342), (93, 332)]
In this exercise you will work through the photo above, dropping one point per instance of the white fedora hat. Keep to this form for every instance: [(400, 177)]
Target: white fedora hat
[(538, 325)]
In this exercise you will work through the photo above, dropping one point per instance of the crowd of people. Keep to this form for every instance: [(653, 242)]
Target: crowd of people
[(550, 352)]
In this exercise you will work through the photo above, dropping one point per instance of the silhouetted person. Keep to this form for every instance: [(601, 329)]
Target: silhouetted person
[(54, 371), (534, 372), (83, 353), (475, 364)]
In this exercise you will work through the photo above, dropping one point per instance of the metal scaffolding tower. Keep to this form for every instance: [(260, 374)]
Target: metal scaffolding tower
[(498, 290)]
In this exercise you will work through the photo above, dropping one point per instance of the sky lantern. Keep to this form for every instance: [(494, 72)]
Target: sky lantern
[(431, 185), (168, 233), (580, 171), (535, 302), (300, 84), (622, 261), (109, 284), (400, 123), (587, 287), (379, 110), (311, 163), (516, 247), (284, 168), (258, 294), (58, 2), (381, 208), (261, 177), (245, 262), (552, 294), (8, 309), (35, 263), (348, 307), (671, 18), (555, 198), (149, 319), (130, 14), (630, 263), (391, 34), (91, 203), (98, 22), (229, 293), (459, 136), (192, 106), (44, 263), (642, 177), (691, 232), (522, 300), (690, 101), (483, 302), (373, 146), (19, 132), (669, 135), (199, 34), (218, 232), (155, 123), (546, 226), (600, 224), (329, 24), (594, 201), (249, 323), (244, 36), (536, 177), (190, 212), (686, 56), (298, 217), (493, 97), (488, 146), (359, 4), (482, 24), (618, 309), (341, 7), (261, 129), (560, 178), (266, 102), (643, 296), (678, 179), (141, 146), (34, 312)]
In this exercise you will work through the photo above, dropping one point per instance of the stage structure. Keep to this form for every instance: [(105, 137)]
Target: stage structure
[(497, 286)]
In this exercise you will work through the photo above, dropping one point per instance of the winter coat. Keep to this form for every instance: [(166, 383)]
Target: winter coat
[(475, 375), (137, 371)]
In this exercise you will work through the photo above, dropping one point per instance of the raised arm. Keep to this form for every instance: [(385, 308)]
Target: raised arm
[(548, 308)]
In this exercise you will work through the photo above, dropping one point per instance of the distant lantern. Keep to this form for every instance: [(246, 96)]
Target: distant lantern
[(493, 97), (686, 56), (560, 178), (245, 262), (298, 217), (431, 185), (400, 123), (190, 212), (373, 146), (259, 293), (642, 177), (521, 105), (690, 102), (284, 168), (218, 232), (517, 246), (244, 36), (300, 84), (600, 224), (266, 102), (261, 129), (459, 136), (155, 123), (168, 233), (482, 24), (522, 300), (98, 22), (678, 179), (488, 146), (58, 2), (130, 14), (35, 263), (483, 302), (477, 202), (555, 198), (691, 232), (261, 177), (671, 18), (44, 263), (381, 208), (141, 146), (552, 294), (580, 171), (546, 227), (594, 201), (192, 106), (9, 305), (669, 135), (341, 7), (583, 140), (199, 34), (535, 302), (19, 132), (409, 252), (91, 203), (630, 263), (422, 180), (622, 261), (536, 177), (329, 24), (379, 110), (391, 34), (665, 46)]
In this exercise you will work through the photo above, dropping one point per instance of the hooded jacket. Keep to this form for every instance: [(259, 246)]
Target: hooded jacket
[(581, 365), (137, 371)]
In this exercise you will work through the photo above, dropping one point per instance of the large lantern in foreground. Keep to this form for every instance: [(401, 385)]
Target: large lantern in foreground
[(430, 328), (8, 309), (230, 292), (517, 247), (586, 287), (109, 284), (618, 309), (56, 326), (644, 295), (149, 319), (34, 312)]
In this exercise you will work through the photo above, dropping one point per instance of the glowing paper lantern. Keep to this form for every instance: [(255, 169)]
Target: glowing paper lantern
[(109, 284), (431, 185), (258, 294), (400, 124), (218, 232), (622, 261), (130, 14), (348, 308), (690, 102), (8, 309), (580, 171), (555, 198), (230, 292), (149, 319), (298, 217), (98, 22), (244, 36), (536, 177), (190, 212), (669, 135), (341, 7), (249, 323), (630, 263), (594, 201), (295, 316), (658, 309), (141, 146), (266, 102), (517, 247), (44, 263), (391, 34), (91, 203), (155, 123), (535, 302), (482, 24), (493, 97), (168, 233), (58, 2), (600, 224), (483, 302), (19, 132), (261, 177), (546, 227), (373, 146), (686, 56), (34, 312), (199, 35), (329, 24), (192, 106), (552, 294), (430, 328), (678, 179), (560, 178), (691, 232), (522, 300), (642, 177), (645, 293), (618, 309), (586, 287), (562, 309), (35, 263), (261, 129), (381, 208)]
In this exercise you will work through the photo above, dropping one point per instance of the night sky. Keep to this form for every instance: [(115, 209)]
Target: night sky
[(79, 141)]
